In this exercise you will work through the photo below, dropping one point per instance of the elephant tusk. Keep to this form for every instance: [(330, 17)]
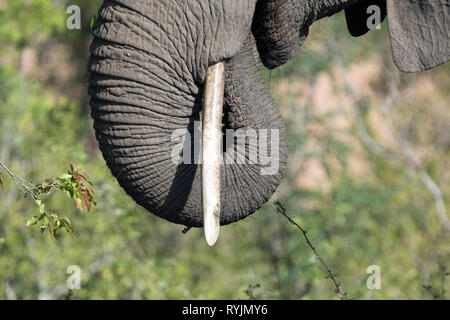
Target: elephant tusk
[(212, 150)]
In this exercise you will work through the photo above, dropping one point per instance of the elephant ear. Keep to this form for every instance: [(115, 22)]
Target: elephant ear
[(359, 14), (420, 33)]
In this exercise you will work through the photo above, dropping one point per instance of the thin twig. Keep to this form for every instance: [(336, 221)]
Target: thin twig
[(330, 274)]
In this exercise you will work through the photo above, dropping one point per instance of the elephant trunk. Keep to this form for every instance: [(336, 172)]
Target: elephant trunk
[(281, 26), (148, 64)]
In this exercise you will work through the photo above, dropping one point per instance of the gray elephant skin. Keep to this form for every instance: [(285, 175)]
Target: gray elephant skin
[(148, 62)]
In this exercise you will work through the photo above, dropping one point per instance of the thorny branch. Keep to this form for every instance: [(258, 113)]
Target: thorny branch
[(330, 274)]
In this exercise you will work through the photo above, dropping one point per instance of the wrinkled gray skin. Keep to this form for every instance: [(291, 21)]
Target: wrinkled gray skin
[(148, 64)]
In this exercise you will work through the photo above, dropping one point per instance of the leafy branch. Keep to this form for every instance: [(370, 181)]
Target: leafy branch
[(73, 184), (330, 274)]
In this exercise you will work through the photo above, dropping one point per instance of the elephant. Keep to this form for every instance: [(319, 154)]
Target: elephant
[(149, 64)]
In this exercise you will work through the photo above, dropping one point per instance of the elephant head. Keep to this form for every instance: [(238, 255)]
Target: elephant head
[(149, 61)]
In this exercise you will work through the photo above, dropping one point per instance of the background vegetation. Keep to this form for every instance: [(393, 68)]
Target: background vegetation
[(368, 178)]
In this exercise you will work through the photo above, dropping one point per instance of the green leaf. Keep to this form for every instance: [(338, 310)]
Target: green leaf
[(93, 22), (33, 221), (65, 176)]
